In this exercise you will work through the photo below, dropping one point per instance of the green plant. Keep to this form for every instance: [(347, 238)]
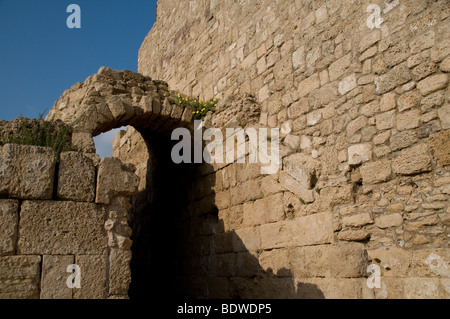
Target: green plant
[(318, 190), (39, 132), (199, 108)]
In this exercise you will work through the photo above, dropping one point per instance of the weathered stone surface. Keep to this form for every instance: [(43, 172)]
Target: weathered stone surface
[(54, 277), (27, 172), (432, 84), (115, 179), (337, 261), (408, 100), (393, 262), (430, 263), (347, 84), (93, 277), (9, 222), (276, 260), (387, 221), (76, 177), (422, 288), (308, 85), (302, 168), (307, 230), (268, 210), (412, 160), (385, 120), (61, 228), (292, 185), (408, 120), (359, 153), (440, 147), (403, 139), (357, 220), (119, 273), (376, 172), (339, 67), (19, 277), (396, 76), (353, 234)]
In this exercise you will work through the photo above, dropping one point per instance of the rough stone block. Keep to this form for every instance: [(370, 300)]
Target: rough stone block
[(54, 277), (412, 160), (119, 272), (247, 239), (292, 185), (390, 80), (393, 262), (422, 288), (430, 263), (391, 220), (359, 153), (308, 85), (357, 220), (19, 277), (307, 230), (440, 147), (76, 178), (432, 84), (9, 222), (403, 139), (61, 228), (303, 168), (93, 277), (337, 261), (276, 261), (385, 120), (115, 179), (27, 172), (347, 84), (408, 120), (376, 172), (339, 67), (268, 210)]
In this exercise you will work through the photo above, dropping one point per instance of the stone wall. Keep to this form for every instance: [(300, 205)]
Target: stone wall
[(364, 116), (56, 214)]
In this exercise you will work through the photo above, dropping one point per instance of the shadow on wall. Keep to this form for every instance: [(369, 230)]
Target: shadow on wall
[(180, 249)]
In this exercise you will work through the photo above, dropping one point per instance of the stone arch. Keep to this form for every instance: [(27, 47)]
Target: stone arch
[(112, 99)]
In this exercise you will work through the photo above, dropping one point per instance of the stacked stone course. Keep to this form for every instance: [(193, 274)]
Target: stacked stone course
[(56, 215)]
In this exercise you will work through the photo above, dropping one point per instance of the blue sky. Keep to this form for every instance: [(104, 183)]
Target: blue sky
[(40, 56)]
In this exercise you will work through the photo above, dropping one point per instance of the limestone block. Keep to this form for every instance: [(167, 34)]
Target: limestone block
[(337, 261), (331, 288), (339, 67), (9, 221), (61, 228), (412, 160), (385, 120), (408, 120), (83, 141), (308, 85), (347, 84), (19, 277), (369, 39), (444, 115), (393, 262), (115, 179), (359, 153), (306, 230), (119, 272), (391, 220), (276, 260), (440, 147), (390, 80), (54, 277), (76, 178), (403, 139), (246, 239), (27, 172), (303, 168), (432, 84), (408, 100), (353, 234), (357, 220), (376, 172), (422, 288), (431, 263), (93, 277), (268, 210), (292, 185)]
